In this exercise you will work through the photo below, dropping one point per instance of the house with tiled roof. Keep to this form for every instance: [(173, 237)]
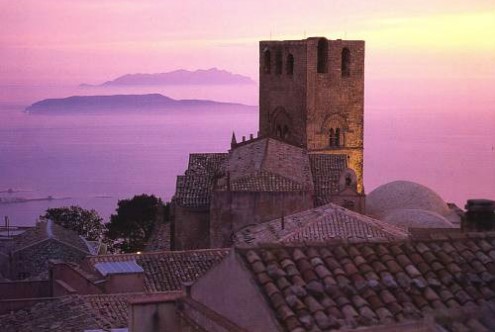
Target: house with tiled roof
[(351, 285), (29, 252), (308, 151)]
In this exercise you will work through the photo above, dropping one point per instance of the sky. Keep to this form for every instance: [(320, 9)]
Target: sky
[(75, 41)]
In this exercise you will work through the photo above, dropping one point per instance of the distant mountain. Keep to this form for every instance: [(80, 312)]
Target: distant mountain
[(119, 103), (211, 76)]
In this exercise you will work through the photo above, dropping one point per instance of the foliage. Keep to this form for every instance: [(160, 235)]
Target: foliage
[(133, 222), (87, 223)]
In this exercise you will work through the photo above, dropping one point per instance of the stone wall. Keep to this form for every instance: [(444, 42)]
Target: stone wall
[(310, 102), (231, 211), (191, 229)]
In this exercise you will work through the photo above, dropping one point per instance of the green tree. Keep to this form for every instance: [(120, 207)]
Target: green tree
[(132, 225), (87, 223)]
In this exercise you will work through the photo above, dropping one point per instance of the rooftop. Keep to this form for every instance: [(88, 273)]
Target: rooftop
[(349, 285), (322, 224)]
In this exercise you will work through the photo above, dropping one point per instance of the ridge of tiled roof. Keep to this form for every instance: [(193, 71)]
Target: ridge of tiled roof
[(350, 285), (324, 223), (47, 230), (168, 270)]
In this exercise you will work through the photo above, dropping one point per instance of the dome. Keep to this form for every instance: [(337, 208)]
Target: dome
[(415, 218), (404, 195)]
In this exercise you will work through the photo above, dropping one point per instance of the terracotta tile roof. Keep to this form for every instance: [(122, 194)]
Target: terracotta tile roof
[(194, 188), (46, 230), (326, 170), (160, 238), (324, 223), (75, 313), (364, 284), (265, 181), (272, 157), (168, 270)]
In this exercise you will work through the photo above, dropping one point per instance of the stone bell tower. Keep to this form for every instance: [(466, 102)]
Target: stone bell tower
[(312, 95)]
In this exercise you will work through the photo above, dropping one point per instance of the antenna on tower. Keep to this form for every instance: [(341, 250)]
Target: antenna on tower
[(304, 34)]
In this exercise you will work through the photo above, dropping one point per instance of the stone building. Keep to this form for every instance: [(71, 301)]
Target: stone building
[(309, 151)]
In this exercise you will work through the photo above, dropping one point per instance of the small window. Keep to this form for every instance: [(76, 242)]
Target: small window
[(278, 62), (334, 137), (278, 133), (285, 133), (267, 61), (346, 62), (322, 64), (348, 180), (290, 64)]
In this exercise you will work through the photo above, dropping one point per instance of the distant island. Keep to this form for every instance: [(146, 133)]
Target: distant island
[(119, 103), (212, 76)]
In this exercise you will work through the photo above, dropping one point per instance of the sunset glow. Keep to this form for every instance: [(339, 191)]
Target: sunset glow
[(73, 41)]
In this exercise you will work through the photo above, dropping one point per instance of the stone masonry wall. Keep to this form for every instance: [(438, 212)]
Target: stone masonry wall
[(231, 211)]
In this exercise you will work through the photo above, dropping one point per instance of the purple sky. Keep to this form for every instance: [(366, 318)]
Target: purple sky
[(74, 41)]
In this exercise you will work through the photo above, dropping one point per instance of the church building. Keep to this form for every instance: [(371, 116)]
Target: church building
[(309, 150)]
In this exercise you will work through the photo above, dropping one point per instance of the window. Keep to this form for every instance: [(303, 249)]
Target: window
[(267, 59), (348, 180), (278, 62), (337, 137), (334, 137), (278, 133), (346, 62), (285, 133), (322, 64), (290, 64)]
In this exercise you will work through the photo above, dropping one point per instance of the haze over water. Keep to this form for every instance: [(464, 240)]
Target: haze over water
[(94, 160)]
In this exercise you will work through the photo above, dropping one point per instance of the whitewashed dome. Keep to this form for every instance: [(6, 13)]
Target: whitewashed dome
[(415, 218), (404, 195)]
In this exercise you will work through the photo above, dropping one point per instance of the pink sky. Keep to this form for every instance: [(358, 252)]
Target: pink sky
[(74, 41)]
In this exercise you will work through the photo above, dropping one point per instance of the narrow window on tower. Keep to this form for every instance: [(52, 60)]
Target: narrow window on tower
[(286, 133), (290, 64), (322, 64), (279, 132), (278, 62), (346, 62), (267, 59), (332, 137), (337, 137)]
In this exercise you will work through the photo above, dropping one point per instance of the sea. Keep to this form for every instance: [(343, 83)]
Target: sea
[(94, 160)]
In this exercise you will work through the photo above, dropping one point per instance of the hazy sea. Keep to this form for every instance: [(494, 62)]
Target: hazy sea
[(95, 160)]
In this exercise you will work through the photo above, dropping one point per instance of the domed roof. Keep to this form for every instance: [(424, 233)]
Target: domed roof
[(404, 195), (414, 218)]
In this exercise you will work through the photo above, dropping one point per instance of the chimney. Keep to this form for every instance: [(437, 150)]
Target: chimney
[(251, 136), (243, 138), (480, 215)]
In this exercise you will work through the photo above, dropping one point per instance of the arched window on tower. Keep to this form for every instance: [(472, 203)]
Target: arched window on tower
[(278, 132), (285, 133), (267, 61), (331, 134), (337, 137), (346, 62), (322, 64), (334, 137), (290, 64), (278, 62)]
